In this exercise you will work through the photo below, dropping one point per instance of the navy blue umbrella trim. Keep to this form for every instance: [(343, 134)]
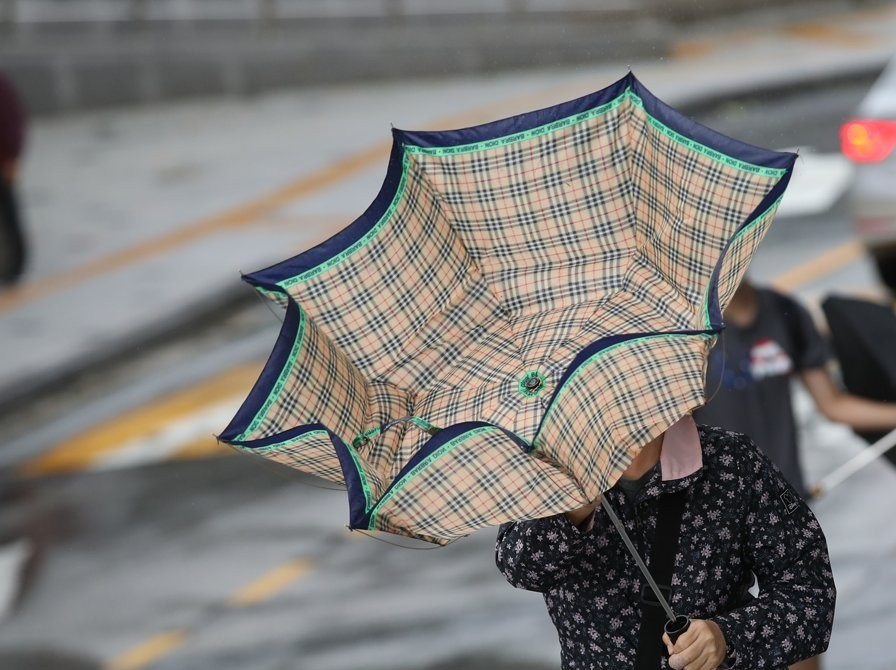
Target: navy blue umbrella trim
[(307, 260), (715, 312), (268, 378), (360, 513), (600, 345), (515, 124), (707, 136), (270, 277)]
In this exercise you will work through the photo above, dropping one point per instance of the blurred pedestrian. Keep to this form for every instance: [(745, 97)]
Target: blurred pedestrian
[(769, 340), (731, 516), (12, 143)]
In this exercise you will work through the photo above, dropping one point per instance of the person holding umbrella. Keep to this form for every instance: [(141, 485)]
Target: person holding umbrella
[(769, 339), (12, 141), (737, 517)]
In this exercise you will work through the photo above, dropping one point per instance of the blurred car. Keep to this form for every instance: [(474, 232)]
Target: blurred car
[(868, 139)]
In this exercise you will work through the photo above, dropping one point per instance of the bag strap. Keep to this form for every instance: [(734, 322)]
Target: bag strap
[(662, 565)]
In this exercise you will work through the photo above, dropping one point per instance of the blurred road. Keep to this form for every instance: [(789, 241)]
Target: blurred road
[(140, 219)]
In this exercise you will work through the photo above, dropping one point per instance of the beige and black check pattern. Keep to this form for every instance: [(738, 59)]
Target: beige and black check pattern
[(498, 262)]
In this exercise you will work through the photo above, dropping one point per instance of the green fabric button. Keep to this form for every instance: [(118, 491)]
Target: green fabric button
[(531, 383)]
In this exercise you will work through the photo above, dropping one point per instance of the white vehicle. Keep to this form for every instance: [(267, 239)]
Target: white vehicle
[(869, 140)]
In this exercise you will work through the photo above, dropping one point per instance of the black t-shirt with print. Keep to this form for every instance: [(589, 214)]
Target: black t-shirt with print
[(748, 379)]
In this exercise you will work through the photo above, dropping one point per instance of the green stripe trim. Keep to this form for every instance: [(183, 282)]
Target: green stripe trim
[(365, 483), (285, 443), (627, 95), (717, 156), (361, 243), (768, 213), (422, 465), (269, 294), (285, 371), (362, 475), (601, 354), (422, 423), (525, 135), (366, 435)]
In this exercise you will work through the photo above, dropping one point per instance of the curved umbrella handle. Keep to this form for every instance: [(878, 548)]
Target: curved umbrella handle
[(364, 438)]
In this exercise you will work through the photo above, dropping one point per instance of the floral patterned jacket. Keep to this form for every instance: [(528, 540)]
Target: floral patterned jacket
[(740, 518)]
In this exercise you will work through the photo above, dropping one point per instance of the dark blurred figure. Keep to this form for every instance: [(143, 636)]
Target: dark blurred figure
[(770, 338), (863, 334), (12, 144)]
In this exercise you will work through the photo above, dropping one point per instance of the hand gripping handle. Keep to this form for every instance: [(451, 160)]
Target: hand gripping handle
[(675, 628)]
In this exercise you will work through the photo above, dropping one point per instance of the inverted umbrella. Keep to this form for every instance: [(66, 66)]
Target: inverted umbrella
[(525, 304)]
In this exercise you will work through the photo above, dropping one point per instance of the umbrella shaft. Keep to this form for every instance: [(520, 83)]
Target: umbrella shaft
[(640, 561)]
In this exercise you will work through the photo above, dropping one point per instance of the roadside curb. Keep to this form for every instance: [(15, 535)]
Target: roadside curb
[(181, 325)]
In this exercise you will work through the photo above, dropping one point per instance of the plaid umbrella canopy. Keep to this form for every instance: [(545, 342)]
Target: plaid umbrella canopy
[(525, 304)]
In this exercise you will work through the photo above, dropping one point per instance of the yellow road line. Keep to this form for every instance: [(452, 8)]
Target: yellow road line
[(239, 216), (254, 210), (83, 448), (268, 585), (149, 652), (819, 266), (204, 448), (80, 451), (821, 31), (264, 588), (828, 32)]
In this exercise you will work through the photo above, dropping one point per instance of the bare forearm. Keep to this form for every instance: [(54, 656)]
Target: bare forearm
[(853, 410), (862, 413)]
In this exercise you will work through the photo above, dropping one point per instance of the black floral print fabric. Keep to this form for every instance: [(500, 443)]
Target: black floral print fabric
[(741, 518)]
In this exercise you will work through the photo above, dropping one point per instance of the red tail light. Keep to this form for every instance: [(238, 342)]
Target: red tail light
[(868, 140)]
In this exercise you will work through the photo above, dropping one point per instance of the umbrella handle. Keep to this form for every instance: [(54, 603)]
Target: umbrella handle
[(675, 628)]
